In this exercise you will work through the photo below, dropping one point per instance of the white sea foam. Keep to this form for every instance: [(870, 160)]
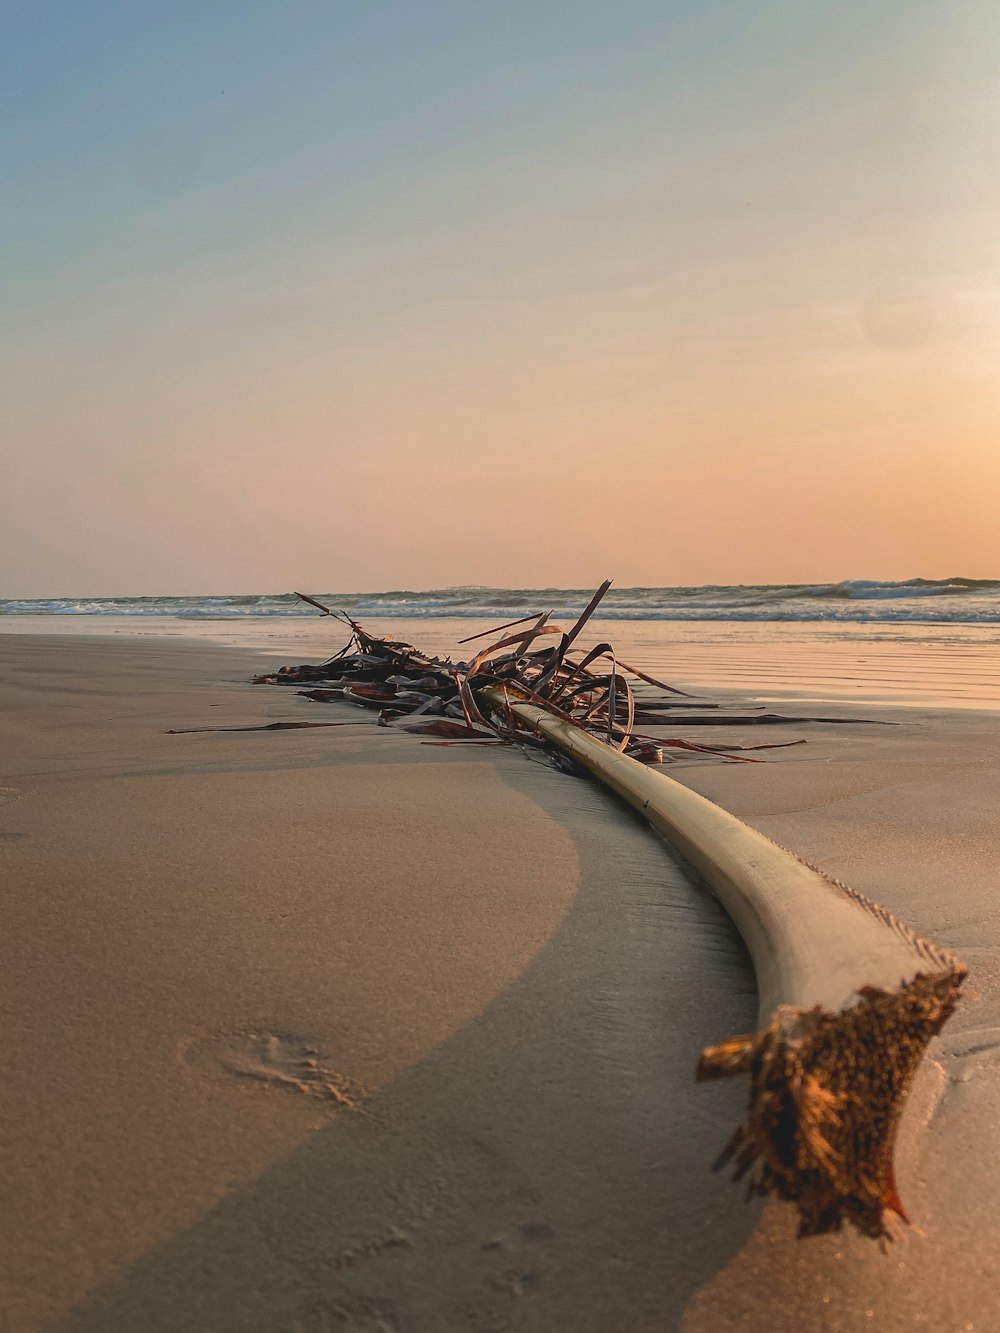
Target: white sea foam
[(943, 601)]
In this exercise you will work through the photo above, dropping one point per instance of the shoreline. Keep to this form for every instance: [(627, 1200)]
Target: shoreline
[(903, 814), (949, 666)]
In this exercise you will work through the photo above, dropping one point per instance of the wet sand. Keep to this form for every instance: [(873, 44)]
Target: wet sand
[(327, 1029)]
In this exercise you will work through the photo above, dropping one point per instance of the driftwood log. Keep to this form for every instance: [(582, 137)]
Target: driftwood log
[(849, 996)]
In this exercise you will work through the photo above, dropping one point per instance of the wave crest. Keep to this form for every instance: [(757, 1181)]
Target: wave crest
[(958, 600)]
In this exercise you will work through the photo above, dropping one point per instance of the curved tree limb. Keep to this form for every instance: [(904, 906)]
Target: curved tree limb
[(849, 999)]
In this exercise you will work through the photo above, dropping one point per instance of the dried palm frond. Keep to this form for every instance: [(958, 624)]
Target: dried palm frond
[(591, 688)]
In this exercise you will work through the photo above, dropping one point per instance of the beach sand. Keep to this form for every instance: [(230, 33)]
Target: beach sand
[(329, 1029)]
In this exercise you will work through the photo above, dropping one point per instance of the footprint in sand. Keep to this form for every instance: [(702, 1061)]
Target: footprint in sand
[(277, 1059)]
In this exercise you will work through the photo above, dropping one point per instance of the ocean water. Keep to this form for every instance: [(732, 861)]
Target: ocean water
[(913, 601)]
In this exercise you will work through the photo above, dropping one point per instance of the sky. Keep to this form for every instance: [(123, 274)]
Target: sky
[(393, 293)]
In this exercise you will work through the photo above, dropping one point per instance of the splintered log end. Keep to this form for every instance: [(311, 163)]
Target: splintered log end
[(827, 1092)]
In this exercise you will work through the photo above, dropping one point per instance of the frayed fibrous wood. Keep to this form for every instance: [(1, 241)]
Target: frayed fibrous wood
[(849, 999), (849, 996)]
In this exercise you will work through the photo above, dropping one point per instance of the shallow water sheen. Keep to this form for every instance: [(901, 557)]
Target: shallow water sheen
[(931, 666)]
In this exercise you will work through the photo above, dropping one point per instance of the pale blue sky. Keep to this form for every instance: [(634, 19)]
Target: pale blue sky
[(713, 288)]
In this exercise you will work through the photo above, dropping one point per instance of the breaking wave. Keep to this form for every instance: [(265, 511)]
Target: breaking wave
[(935, 601)]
